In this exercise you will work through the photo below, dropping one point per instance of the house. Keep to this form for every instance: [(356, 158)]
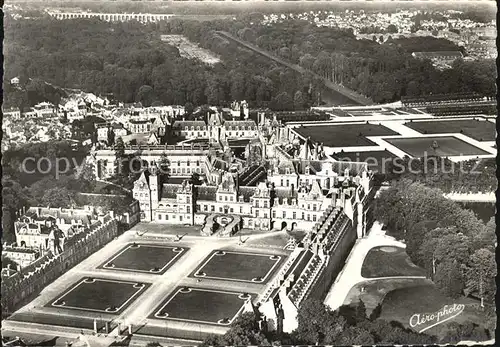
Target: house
[(139, 126), (441, 56), (14, 81), (46, 228)]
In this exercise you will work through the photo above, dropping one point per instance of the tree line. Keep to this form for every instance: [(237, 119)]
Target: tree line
[(383, 72), (455, 248), (348, 325)]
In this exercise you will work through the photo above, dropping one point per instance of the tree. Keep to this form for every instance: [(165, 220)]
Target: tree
[(376, 312), (145, 95), (243, 331), (164, 166), (353, 335), (354, 314), (58, 197), (282, 102), (8, 263), (195, 179), (111, 136), (8, 232), (120, 158), (317, 323), (298, 100), (392, 29), (467, 331), (153, 344), (188, 107), (480, 275), (449, 279)]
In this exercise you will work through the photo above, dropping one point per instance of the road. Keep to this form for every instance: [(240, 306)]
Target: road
[(351, 273), (341, 93)]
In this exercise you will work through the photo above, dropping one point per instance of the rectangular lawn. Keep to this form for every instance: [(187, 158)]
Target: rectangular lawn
[(446, 146), (154, 259), (100, 295), (236, 266), (476, 129), (200, 305), (344, 135)]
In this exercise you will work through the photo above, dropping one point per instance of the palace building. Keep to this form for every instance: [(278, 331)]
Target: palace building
[(275, 184)]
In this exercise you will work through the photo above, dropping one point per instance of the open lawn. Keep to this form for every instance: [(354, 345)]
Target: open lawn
[(144, 258), (401, 304), (235, 266), (478, 130), (99, 295), (201, 305), (344, 135), (389, 261), (447, 146), (372, 292)]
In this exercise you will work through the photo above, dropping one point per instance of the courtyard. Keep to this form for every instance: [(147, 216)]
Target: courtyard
[(344, 135), (171, 303)]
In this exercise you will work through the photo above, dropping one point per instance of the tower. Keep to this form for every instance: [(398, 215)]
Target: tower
[(154, 187)]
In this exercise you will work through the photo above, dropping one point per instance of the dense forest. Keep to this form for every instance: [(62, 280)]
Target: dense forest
[(129, 60), (384, 72), (451, 243)]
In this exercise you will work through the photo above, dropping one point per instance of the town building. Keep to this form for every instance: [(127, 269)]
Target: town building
[(46, 228), (22, 256)]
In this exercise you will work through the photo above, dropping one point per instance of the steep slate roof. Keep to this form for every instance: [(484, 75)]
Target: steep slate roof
[(240, 123), (207, 193), (181, 124), (169, 190), (285, 194), (246, 192)]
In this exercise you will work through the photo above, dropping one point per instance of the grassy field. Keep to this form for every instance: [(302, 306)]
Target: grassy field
[(373, 292), (478, 130), (447, 146), (99, 295), (239, 266), (388, 262), (201, 305), (401, 304), (144, 258), (345, 135)]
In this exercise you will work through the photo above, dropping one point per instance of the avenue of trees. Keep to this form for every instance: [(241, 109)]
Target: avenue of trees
[(451, 243), (130, 61), (349, 325), (383, 72)]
